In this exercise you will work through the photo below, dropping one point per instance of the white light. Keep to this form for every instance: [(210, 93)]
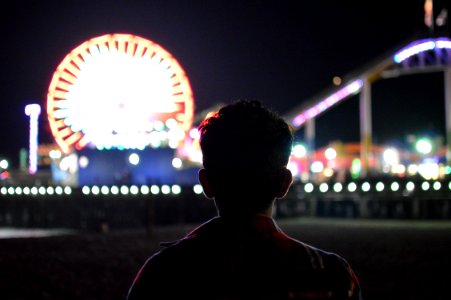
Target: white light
[(413, 49), (118, 93), (145, 189), (425, 186), (352, 187), (124, 190), (308, 188), (293, 167), (171, 123), (410, 186), (176, 189), (26, 190), (165, 189), (95, 190), (398, 169), (366, 186), (69, 163), (83, 162), (423, 146), (42, 190), (3, 190), (34, 190), (394, 186), (197, 188), (133, 159), (441, 43), (4, 164), (55, 154), (328, 172), (299, 151), (18, 190), (323, 187), (177, 163), (155, 140), (33, 111), (429, 170), (114, 190), (437, 185), (158, 125), (50, 190), (59, 190), (194, 134), (391, 156), (86, 190), (330, 153), (173, 144), (317, 167), (104, 190), (134, 190), (67, 190), (154, 189), (11, 190), (380, 186), (338, 187), (412, 169)]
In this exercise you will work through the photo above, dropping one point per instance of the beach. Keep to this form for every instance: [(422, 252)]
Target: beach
[(394, 259)]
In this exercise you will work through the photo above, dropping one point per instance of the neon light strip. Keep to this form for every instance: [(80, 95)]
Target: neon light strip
[(33, 110), (421, 46), (352, 88)]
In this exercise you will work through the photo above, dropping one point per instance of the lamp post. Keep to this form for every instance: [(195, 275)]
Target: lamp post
[(33, 111)]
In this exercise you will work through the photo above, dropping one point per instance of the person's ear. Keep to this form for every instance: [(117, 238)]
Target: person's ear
[(287, 180), (206, 186)]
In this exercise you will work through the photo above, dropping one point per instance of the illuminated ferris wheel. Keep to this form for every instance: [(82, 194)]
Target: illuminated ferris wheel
[(119, 91)]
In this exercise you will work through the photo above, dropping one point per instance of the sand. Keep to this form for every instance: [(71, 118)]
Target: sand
[(393, 259)]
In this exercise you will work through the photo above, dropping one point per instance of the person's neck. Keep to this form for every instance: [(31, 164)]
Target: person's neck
[(244, 216)]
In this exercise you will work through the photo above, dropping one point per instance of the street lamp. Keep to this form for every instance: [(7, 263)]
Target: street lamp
[(33, 111)]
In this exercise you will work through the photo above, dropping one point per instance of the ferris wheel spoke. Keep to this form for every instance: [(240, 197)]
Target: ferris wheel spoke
[(92, 76)]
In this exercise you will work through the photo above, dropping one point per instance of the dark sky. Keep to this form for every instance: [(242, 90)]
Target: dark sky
[(280, 52)]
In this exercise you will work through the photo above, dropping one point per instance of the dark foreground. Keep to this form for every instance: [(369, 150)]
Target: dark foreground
[(394, 259)]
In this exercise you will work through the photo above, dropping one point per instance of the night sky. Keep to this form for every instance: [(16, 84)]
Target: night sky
[(280, 52)]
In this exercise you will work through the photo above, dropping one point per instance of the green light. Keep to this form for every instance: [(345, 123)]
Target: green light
[(423, 146), (447, 170), (356, 168)]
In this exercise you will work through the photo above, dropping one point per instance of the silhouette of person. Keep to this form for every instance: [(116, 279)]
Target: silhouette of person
[(242, 253)]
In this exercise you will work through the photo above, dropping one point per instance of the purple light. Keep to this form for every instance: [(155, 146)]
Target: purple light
[(421, 46), (326, 103)]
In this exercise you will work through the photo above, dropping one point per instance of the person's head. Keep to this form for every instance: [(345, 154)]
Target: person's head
[(245, 149)]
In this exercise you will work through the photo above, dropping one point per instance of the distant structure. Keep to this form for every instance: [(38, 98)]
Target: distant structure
[(119, 91), (417, 56), (430, 53), (33, 111), (435, 16), (114, 97)]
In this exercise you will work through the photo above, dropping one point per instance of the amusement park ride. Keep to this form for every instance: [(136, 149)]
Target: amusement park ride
[(124, 99), (417, 56), (121, 111)]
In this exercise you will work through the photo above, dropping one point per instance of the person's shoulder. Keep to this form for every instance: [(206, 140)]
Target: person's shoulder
[(328, 268), (180, 248), (170, 258), (327, 256), (318, 258), (171, 263)]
